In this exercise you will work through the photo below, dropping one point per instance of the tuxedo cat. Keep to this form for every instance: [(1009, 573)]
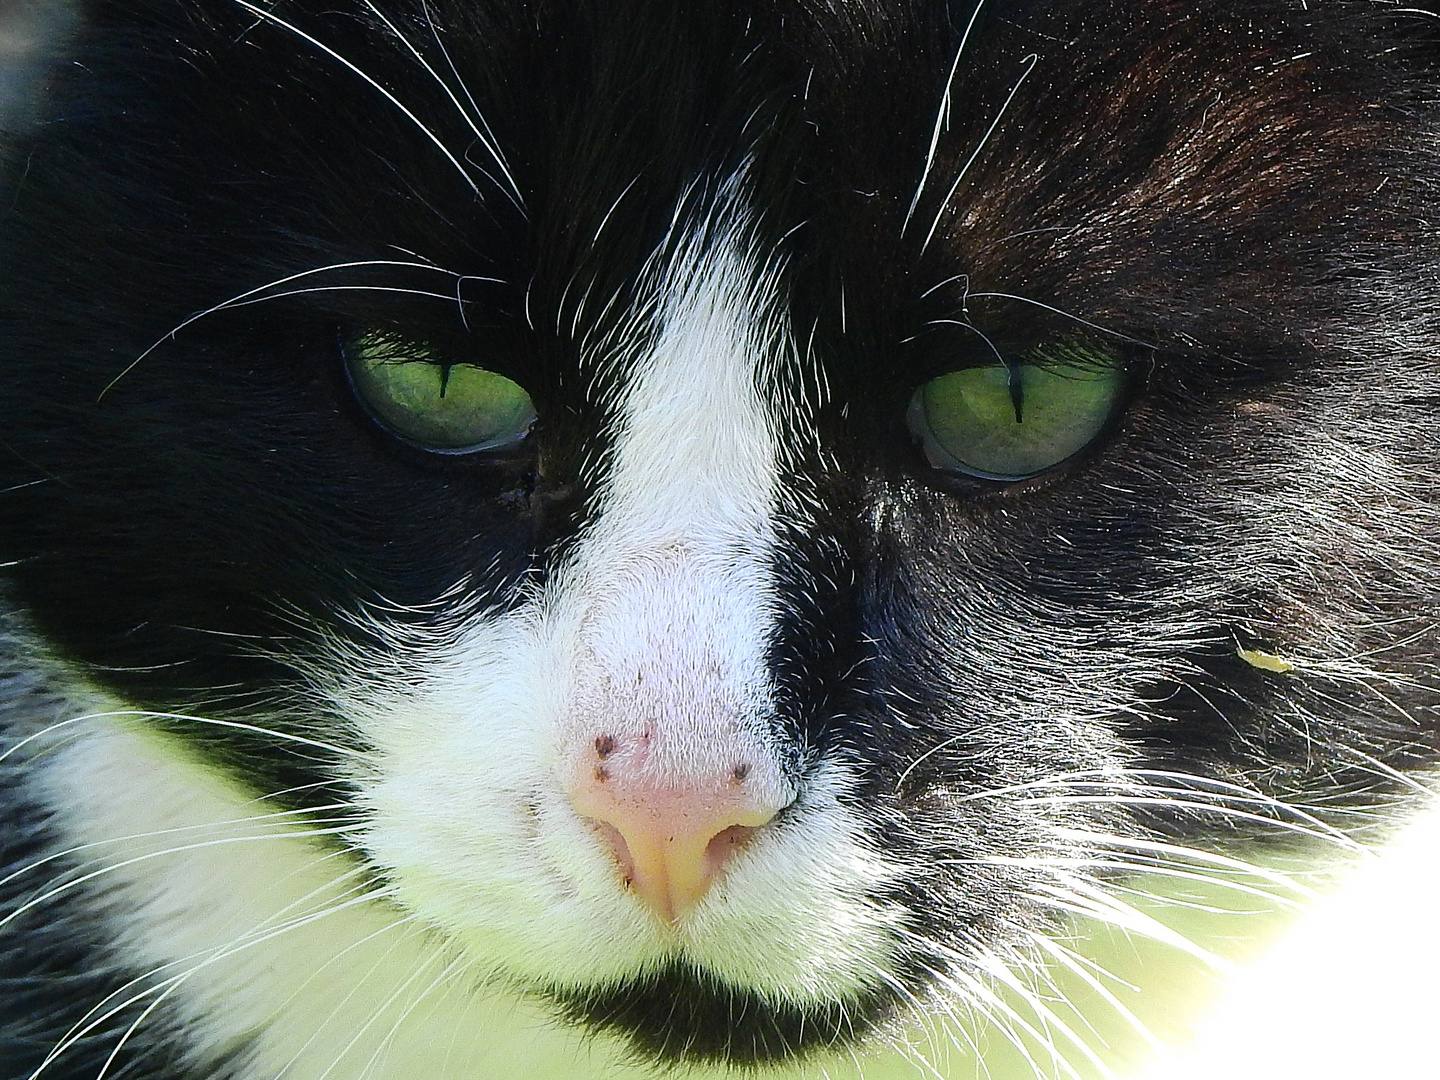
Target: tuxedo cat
[(571, 539)]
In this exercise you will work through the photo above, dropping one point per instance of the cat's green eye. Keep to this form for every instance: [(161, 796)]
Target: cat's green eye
[(1013, 422), (444, 407)]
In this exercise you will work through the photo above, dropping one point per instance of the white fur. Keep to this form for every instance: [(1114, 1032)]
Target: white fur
[(260, 932)]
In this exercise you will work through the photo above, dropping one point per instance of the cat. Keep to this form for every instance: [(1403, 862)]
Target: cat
[(577, 539)]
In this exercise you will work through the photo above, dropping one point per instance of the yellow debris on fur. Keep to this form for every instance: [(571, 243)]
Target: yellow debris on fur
[(1264, 661)]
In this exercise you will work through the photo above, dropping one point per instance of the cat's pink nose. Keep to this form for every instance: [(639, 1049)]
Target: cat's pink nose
[(670, 835)]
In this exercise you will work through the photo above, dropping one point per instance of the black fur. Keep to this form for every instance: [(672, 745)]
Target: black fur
[(1237, 198)]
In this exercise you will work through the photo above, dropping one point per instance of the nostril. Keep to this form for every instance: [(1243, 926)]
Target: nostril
[(615, 840), (724, 844), (722, 847), (670, 845), (663, 870)]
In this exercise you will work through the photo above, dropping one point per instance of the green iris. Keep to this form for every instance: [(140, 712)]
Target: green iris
[(1012, 422), (448, 408)]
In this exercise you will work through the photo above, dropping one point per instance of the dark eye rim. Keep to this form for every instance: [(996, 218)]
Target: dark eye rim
[(512, 451)]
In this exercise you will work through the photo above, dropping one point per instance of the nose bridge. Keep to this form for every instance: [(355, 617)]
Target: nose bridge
[(673, 657), (673, 576), (665, 742)]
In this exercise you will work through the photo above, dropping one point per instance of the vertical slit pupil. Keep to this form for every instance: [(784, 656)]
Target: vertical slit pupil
[(1017, 388)]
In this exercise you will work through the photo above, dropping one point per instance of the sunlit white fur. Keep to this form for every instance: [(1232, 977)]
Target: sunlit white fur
[(254, 931), (1348, 992)]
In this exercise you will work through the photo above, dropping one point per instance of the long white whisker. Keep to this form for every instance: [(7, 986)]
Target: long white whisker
[(613, 207), (238, 725), (969, 986), (16, 747), (1081, 898), (1063, 314), (238, 299), (397, 289), (1073, 962), (1191, 798), (110, 868), (1201, 793), (456, 964), (942, 116), (1004, 973), (966, 986), (303, 815), (168, 985), (274, 19), (82, 1027), (512, 193), (974, 330), (1303, 827), (488, 139), (356, 983), (1029, 62), (177, 982), (1175, 868), (375, 1016), (460, 301), (900, 781), (1389, 772)]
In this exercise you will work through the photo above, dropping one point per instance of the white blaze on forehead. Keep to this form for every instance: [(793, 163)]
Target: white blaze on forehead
[(670, 592), (696, 450)]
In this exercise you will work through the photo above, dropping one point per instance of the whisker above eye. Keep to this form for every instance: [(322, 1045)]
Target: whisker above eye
[(251, 295), (272, 18), (1063, 314), (942, 115), (1029, 63), (485, 137)]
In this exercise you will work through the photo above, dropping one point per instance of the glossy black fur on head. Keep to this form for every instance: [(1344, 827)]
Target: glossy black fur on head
[(1236, 198)]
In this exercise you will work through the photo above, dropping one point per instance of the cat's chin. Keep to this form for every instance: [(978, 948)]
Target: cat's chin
[(680, 1013), (759, 973), (717, 987)]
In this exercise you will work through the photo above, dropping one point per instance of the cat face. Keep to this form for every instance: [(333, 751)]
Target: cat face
[(747, 513)]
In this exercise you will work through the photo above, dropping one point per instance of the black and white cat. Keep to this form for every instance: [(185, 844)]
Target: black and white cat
[(571, 538)]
